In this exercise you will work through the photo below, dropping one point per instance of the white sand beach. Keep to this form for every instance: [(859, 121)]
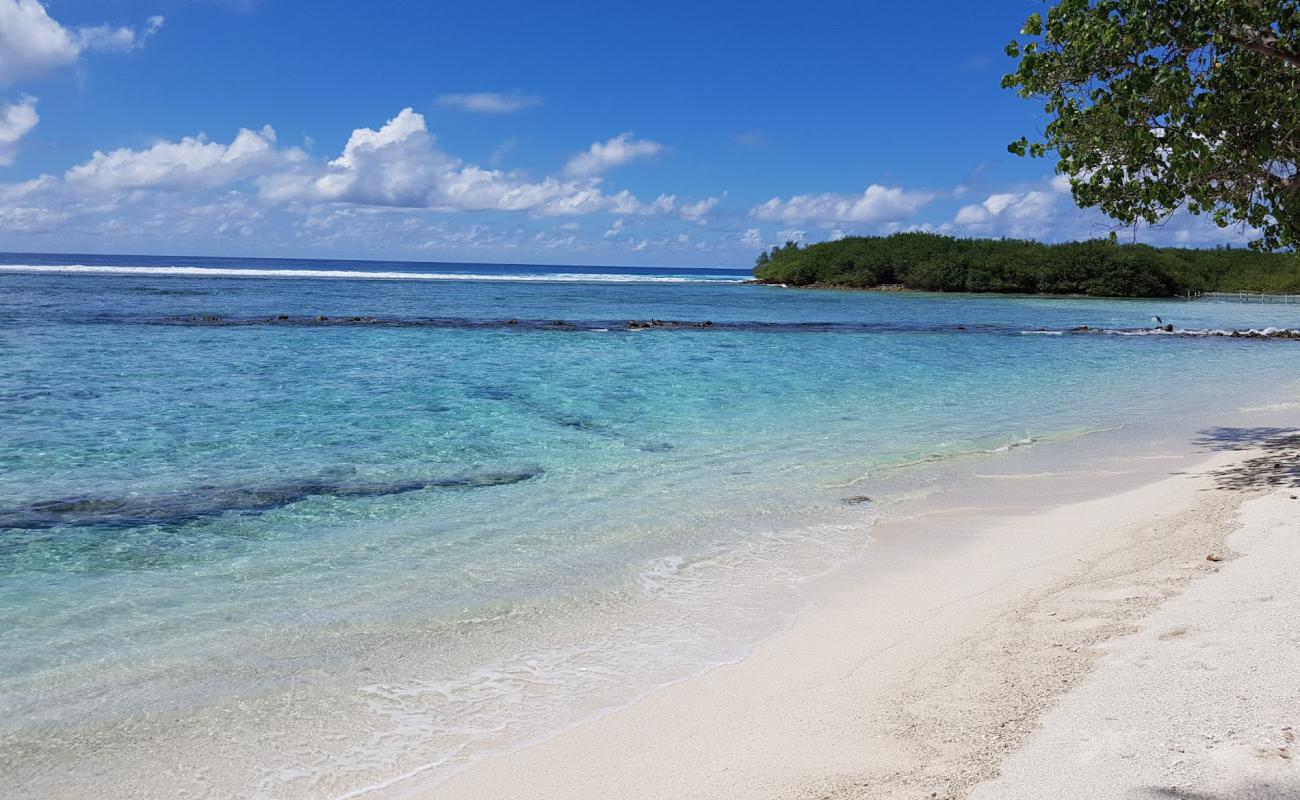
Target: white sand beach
[(1144, 644)]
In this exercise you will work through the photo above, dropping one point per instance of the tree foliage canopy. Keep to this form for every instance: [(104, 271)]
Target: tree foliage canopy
[(931, 262), (1162, 104)]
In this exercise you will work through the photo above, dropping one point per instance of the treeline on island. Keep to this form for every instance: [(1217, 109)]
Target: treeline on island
[(1100, 268)]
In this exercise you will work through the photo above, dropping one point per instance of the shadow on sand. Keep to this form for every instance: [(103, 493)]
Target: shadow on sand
[(1277, 464), (1248, 790)]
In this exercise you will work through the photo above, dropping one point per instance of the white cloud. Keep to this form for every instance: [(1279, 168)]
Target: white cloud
[(752, 237), (624, 202), (16, 121), (32, 42), (1024, 213), (614, 229), (384, 192), (699, 209), (115, 38), (603, 156), (192, 163), (400, 165), (876, 204), (489, 102), (973, 215)]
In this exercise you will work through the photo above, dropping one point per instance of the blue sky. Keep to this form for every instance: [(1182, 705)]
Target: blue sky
[(676, 134)]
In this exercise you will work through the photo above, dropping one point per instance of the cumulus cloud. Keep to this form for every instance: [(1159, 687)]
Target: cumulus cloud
[(400, 165), (32, 42), (876, 204), (1028, 212), (16, 121), (604, 156), (489, 102), (752, 237), (193, 163), (385, 189)]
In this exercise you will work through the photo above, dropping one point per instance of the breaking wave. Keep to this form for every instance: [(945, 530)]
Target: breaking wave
[(236, 272)]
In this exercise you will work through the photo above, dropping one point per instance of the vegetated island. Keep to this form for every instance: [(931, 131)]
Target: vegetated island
[(1099, 268)]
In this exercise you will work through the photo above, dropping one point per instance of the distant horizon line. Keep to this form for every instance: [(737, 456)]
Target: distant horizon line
[(70, 255)]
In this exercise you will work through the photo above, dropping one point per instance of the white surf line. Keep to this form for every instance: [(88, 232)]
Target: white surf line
[(230, 272)]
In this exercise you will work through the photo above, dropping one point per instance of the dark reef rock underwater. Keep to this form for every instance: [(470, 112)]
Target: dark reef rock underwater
[(1267, 333), (643, 324), (210, 501), (399, 322), (580, 326)]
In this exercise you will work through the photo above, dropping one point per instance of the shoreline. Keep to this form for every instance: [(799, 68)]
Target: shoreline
[(911, 679), (941, 525)]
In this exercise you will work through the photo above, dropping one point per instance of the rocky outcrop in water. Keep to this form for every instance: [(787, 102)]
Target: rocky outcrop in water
[(608, 326), (644, 324)]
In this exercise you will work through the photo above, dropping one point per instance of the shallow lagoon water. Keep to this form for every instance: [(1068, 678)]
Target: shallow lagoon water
[(217, 543)]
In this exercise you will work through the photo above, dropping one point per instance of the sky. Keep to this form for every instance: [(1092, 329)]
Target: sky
[(673, 134)]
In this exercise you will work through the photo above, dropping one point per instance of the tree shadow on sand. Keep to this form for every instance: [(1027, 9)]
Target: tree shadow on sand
[(1276, 465), (1248, 790)]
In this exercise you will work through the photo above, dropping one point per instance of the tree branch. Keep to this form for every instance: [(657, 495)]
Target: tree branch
[(1264, 48)]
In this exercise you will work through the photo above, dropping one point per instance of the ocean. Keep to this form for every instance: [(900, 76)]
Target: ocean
[(344, 528)]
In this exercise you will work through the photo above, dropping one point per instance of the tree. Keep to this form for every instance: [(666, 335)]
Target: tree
[(1164, 104)]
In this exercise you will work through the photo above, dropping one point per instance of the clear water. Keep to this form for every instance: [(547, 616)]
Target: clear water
[(345, 553)]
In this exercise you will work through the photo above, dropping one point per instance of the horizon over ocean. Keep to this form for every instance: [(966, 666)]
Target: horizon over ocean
[(460, 268), (362, 525)]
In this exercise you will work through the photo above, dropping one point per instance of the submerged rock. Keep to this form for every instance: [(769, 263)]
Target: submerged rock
[(642, 324), (210, 501)]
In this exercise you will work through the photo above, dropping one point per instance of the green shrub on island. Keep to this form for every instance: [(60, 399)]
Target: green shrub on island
[(1098, 268)]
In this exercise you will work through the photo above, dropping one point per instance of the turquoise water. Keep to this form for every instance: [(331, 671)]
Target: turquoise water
[(456, 526)]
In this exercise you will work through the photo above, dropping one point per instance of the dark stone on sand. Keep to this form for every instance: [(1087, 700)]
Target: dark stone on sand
[(857, 499)]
